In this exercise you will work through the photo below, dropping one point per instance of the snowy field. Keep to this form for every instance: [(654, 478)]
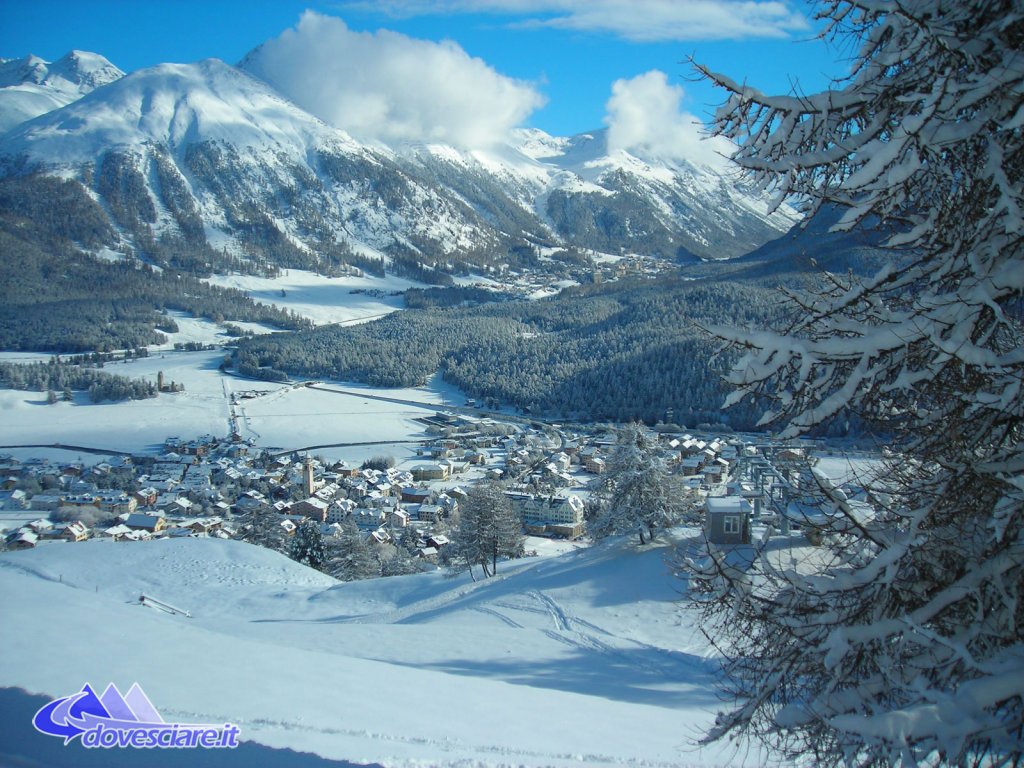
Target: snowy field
[(139, 425), (285, 417), (323, 299), (583, 659), (301, 418)]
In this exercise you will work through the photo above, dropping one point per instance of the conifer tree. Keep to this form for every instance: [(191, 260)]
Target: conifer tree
[(904, 645)]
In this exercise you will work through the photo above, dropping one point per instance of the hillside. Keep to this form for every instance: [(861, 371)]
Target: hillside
[(582, 658)]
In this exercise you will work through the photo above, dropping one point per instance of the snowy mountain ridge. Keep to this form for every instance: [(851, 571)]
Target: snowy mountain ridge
[(208, 155), (31, 86)]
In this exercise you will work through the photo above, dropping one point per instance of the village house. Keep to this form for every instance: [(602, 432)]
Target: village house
[(22, 539), (44, 502), (205, 525), (428, 512), (76, 531), (143, 522), (416, 495), (727, 520), (119, 532), (146, 497), (434, 471), (313, 508), (368, 518), (16, 499), (117, 503)]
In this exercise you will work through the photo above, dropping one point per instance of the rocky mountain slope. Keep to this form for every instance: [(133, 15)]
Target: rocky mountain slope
[(207, 168)]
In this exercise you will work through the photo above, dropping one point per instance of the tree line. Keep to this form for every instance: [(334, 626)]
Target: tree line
[(620, 351), (60, 380)]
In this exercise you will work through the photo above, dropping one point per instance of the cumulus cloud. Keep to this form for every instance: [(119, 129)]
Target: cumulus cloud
[(644, 114), (392, 88), (639, 20)]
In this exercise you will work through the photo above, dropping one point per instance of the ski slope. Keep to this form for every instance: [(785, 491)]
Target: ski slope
[(585, 658)]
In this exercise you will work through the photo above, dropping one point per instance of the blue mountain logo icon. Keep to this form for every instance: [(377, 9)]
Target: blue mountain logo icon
[(113, 719)]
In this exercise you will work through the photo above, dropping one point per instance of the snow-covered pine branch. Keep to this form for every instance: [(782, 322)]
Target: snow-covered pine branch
[(903, 644)]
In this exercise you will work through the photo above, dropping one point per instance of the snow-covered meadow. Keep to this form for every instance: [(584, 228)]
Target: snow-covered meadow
[(583, 659), (324, 299), (285, 418)]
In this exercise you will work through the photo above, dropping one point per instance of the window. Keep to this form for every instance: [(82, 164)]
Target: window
[(731, 524)]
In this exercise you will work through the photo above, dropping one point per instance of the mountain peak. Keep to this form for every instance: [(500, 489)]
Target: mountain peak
[(32, 86), (172, 105), (76, 71)]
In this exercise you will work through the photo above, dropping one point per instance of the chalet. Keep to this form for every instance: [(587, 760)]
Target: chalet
[(252, 501), (477, 458), (22, 539), (178, 506), (16, 499), (205, 525), (40, 527), (142, 522), (399, 518), (331, 530), (428, 512), (713, 473), (458, 494), (416, 495), (727, 520), (75, 531), (690, 466), (118, 532)]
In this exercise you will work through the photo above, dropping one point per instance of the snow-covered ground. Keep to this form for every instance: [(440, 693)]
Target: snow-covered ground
[(845, 469), (586, 658), (301, 417), (324, 299), (139, 425), (286, 417)]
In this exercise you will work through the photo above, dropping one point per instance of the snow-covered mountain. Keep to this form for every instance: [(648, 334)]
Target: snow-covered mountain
[(208, 159), (30, 87)]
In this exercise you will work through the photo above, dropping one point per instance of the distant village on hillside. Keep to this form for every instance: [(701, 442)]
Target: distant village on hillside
[(217, 487)]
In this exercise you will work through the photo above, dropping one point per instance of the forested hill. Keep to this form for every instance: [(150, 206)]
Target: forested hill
[(622, 351), (55, 297)]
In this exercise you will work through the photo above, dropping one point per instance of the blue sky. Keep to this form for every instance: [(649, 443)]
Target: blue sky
[(560, 58)]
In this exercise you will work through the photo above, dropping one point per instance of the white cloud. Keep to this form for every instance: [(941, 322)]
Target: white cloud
[(643, 114), (388, 87), (639, 20)]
